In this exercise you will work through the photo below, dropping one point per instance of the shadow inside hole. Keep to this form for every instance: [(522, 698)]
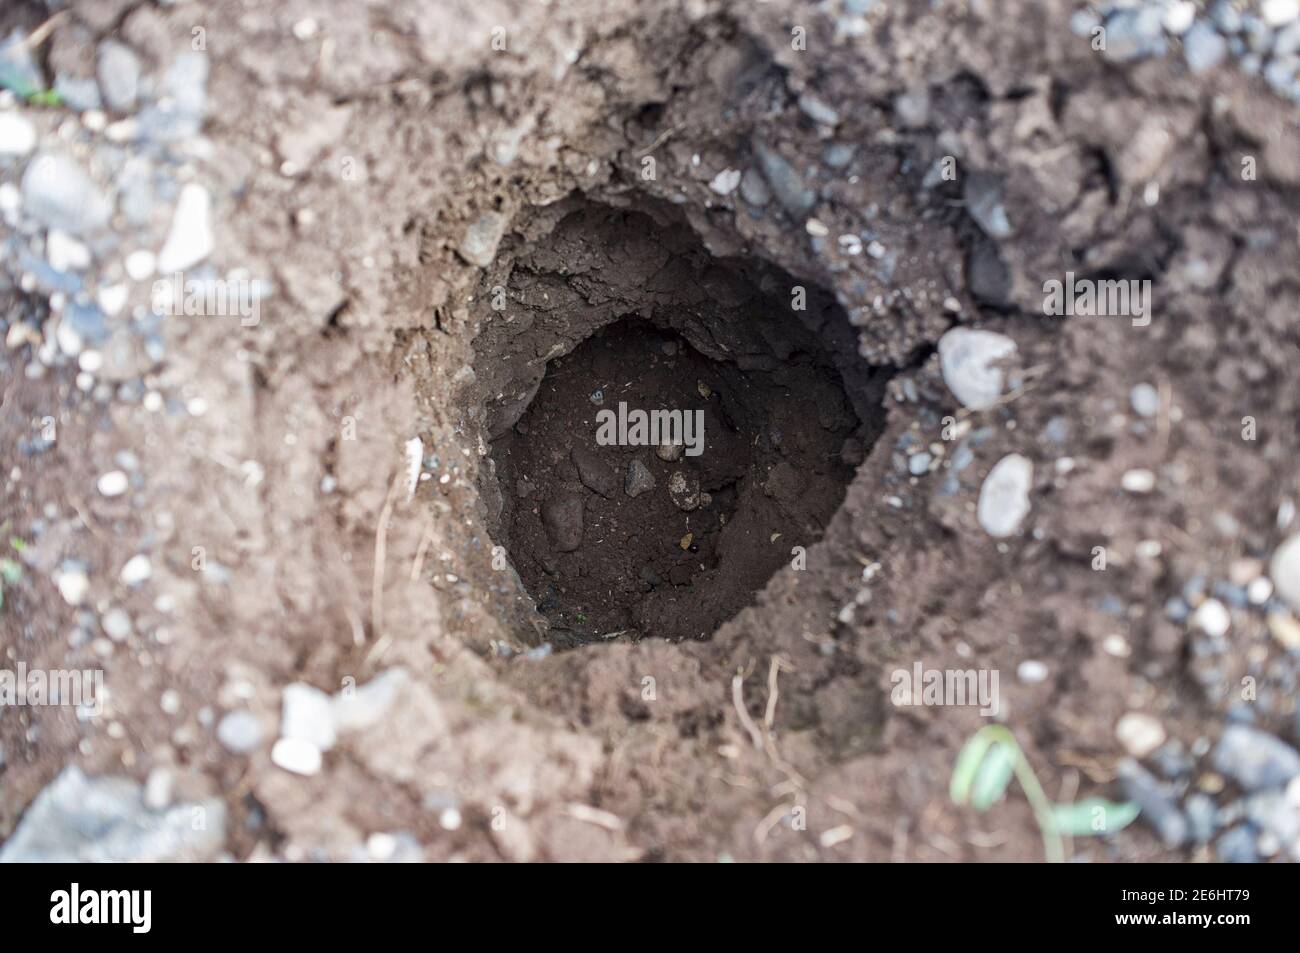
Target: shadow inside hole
[(610, 534)]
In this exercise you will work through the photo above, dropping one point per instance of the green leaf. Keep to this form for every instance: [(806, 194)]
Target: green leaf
[(48, 97), (1093, 816), (968, 763), (10, 571), (993, 776)]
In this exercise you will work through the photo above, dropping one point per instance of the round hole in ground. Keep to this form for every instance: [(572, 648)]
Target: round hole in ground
[(667, 428)]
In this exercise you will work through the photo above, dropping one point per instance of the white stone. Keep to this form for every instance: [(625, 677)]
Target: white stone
[(1139, 733), (140, 265), (190, 240), (73, 585), (366, 705), (65, 253), (113, 483), (1279, 12), (296, 756), (112, 298), (1004, 497), (1179, 16), (1212, 617), (1284, 570), (239, 732), (138, 569), (17, 135), (158, 789), (1031, 672), (307, 715), (966, 357), (726, 181), (1138, 481)]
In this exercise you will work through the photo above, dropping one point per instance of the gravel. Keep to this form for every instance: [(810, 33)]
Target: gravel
[(77, 819), (1255, 759), (58, 193)]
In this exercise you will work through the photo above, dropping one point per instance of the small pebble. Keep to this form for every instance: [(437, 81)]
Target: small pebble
[(1031, 672), (239, 732), (114, 483), (138, 569), (1004, 497), (1139, 733), (1145, 400), (296, 756), (1138, 481), (1212, 618)]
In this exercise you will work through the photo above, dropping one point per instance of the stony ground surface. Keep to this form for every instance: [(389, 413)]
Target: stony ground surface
[(307, 651)]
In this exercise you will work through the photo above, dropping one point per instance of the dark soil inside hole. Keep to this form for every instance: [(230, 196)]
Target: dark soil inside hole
[(704, 529)]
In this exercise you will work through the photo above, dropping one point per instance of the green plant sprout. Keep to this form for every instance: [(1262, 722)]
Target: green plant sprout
[(984, 769)]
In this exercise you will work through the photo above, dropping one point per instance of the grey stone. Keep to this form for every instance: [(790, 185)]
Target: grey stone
[(562, 520), (1004, 497), (479, 246), (839, 154), (639, 479), (1284, 570), (1226, 17), (787, 184), (87, 321), (753, 189), (1237, 846), (818, 111), (968, 360), (116, 624), (1156, 802), (1203, 47), (1255, 759), (1135, 34), (77, 819), (684, 489), (18, 68), (987, 275), (913, 107), (118, 71), (240, 732), (983, 194), (1145, 400), (58, 193), (367, 705), (79, 93), (1270, 812), (594, 473), (1202, 817)]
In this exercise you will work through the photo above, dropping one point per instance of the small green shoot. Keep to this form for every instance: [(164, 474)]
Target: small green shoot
[(984, 769)]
